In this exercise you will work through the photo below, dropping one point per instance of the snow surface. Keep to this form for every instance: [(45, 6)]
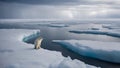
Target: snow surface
[(101, 32), (69, 63), (14, 53), (108, 51)]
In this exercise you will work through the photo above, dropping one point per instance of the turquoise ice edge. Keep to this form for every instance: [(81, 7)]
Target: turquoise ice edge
[(30, 37)]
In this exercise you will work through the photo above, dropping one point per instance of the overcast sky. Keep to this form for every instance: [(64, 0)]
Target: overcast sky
[(60, 9)]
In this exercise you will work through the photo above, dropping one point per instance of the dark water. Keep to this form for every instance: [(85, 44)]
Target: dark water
[(52, 33)]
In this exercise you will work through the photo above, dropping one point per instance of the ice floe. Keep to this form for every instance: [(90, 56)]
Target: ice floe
[(58, 25), (109, 26), (107, 51), (14, 53), (100, 32)]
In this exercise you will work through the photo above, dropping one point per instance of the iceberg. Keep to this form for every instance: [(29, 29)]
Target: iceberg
[(15, 53), (107, 51)]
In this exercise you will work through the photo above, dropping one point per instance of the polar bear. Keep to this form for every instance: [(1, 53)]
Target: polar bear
[(38, 42)]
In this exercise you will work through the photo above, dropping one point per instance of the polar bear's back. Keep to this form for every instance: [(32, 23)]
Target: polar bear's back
[(38, 40)]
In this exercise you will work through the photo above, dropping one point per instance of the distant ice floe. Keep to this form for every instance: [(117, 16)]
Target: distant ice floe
[(14, 53), (109, 26), (107, 51), (93, 28), (99, 32), (58, 25)]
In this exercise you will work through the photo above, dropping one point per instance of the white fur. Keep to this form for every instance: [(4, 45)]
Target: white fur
[(38, 42)]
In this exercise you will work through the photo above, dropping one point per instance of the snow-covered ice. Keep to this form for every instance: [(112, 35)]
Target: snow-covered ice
[(107, 51), (100, 32), (69, 63), (14, 53)]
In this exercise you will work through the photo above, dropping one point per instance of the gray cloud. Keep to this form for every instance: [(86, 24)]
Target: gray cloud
[(43, 2), (15, 10), (64, 2), (59, 9)]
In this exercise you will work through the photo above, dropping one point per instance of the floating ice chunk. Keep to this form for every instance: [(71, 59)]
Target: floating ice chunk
[(110, 26), (100, 32), (58, 25), (95, 28), (108, 51)]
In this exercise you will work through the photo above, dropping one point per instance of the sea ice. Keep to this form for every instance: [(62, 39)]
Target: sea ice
[(69, 63), (107, 51), (14, 53), (100, 32), (58, 25), (110, 26)]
